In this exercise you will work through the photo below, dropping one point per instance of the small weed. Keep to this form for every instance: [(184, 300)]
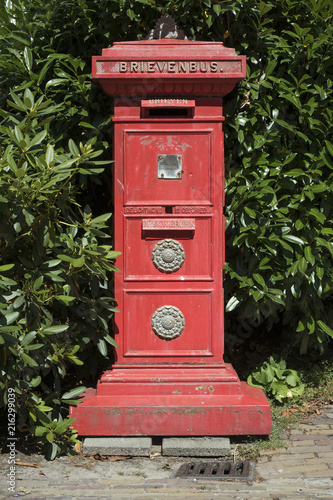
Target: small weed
[(139, 473), (203, 487), (166, 467), (120, 473), (277, 381)]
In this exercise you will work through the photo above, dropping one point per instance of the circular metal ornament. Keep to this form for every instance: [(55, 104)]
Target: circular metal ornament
[(168, 255), (168, 322)]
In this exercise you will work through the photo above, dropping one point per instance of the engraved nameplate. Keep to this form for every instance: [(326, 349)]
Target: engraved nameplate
[(169, 166), (193, 210), (143, 210), (162, 67), (169, 102), (174, 224)]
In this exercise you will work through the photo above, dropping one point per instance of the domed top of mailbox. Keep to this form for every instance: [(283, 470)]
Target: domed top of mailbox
[(168, 67)]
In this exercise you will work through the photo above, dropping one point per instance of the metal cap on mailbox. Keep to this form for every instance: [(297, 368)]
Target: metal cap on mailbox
[(169, 377)]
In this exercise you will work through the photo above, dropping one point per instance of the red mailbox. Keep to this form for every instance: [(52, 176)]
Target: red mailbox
[(169, 377)]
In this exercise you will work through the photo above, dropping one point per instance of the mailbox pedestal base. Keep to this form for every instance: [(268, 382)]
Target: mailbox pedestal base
[(173, 403)]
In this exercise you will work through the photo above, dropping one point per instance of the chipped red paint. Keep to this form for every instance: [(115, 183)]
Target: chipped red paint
[(169, 196)]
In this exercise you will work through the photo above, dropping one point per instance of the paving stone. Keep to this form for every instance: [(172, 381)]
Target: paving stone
[(305, 437), (317, 460), (277, 475), (321, 420), (123, 480), (132, 491), (324, 473), (325, 432), (176, 490), (326, 454), (319, 484), (196, 447), (279, 451), (201, 494), (32, 483), (282, 465), (306, 468), (123, 446), (326, 441), (318, 426), (291, 458), (131, 487), (308, 449), (303, 442), (171, 482)]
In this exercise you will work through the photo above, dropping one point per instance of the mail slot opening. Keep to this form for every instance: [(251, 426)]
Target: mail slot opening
[(167, 108), (171, 112)]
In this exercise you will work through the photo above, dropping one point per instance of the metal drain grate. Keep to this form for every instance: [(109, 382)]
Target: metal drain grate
[(216, 470)]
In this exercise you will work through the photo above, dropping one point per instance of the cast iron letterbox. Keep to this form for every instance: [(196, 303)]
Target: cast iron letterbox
[(169, 377)]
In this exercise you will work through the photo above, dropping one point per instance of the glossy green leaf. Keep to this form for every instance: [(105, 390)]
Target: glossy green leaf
[(28, 338), (250, 212), (10, 317), (329, 146), (102, 347), (73, 147), (73, 393), (40, 431), (6, 267), (28, 58), (317, 214), (232, 304), (63, 426), (28, 359), (49, 156), (302, 265), (55, 329), (259, 279), (293, 239), (325, 328), (66, 299), (55, 82), (38, 282), (309, 255), (79, 262), (38, 138)]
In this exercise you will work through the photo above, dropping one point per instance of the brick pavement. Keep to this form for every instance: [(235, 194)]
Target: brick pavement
[(303, 469)]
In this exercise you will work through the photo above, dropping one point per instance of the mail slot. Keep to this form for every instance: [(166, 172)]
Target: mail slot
[(167, 108), (169, 376)]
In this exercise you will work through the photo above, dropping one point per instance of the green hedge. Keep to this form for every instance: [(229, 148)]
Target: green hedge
[(57, 261)]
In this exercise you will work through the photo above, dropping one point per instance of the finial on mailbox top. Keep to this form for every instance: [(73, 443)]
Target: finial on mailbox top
[(166, 27)]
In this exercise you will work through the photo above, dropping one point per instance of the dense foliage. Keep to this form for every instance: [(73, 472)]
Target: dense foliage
[(55, 203)]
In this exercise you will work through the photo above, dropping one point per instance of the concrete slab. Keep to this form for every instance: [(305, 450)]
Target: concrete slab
[(195, 447), (123, 446)]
